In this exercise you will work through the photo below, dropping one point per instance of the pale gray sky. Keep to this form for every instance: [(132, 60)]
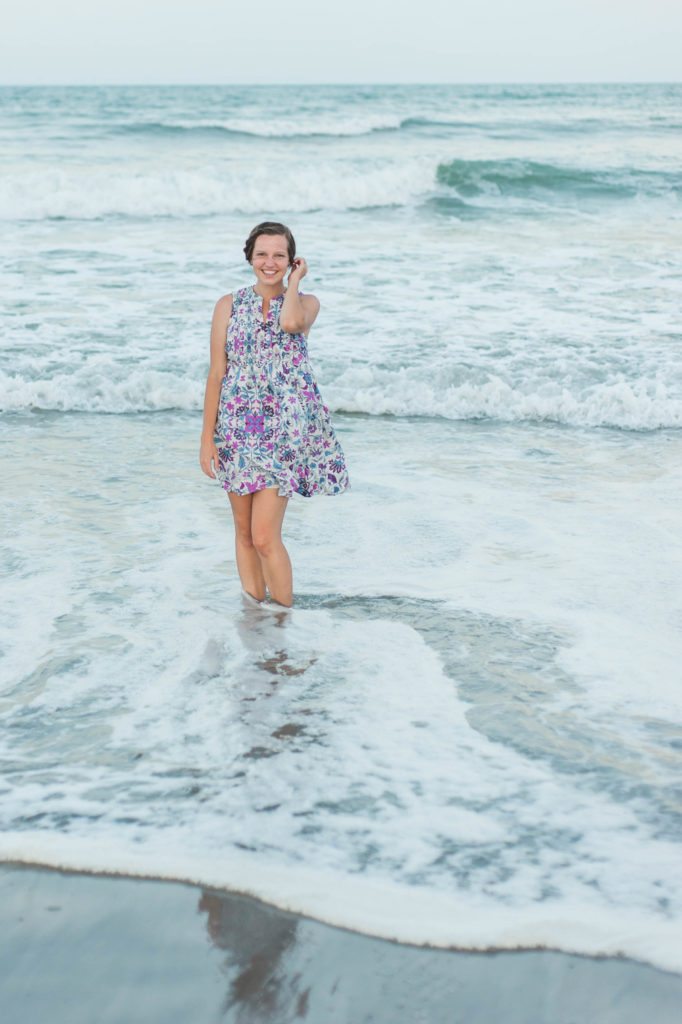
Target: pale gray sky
[(262, 41)]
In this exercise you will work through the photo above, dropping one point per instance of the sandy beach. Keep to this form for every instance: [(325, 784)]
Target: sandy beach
[(84, 948)]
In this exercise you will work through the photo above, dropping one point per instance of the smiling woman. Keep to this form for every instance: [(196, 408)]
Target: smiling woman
[(267, 433)]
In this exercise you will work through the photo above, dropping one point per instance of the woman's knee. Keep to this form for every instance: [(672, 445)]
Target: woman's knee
[(244, 537), (265, 540)]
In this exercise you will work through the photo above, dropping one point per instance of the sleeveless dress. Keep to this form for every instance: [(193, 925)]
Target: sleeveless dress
[(272, 426)]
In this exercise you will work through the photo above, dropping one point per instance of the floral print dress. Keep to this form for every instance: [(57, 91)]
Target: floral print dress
[(272, 427)]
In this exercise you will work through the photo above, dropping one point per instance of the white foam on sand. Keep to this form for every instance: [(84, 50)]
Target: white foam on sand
[(328, 766), (409, 915)]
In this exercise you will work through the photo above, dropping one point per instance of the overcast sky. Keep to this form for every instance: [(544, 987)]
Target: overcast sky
[(262, 41)]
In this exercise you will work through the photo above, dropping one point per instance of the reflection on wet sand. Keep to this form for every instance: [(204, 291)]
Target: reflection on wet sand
[(262, 632), (81, 948), (280, 968), (256, 938)]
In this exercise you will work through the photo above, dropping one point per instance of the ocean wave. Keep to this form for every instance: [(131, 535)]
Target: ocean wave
[(269, 128), (501, 124), (642, 404), (524, 178), (364, 123), (639, 404), (332, 126), (85, 193), (92, 193)]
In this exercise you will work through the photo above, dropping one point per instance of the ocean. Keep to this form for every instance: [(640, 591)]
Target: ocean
[(467, 730)]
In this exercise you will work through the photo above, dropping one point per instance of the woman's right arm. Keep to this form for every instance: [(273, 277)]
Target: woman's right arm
[(217, 370)]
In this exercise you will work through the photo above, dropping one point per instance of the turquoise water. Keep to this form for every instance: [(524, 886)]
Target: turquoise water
[(472, 713)]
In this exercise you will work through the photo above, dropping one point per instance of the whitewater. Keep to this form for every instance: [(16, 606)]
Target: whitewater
[(467, 731)]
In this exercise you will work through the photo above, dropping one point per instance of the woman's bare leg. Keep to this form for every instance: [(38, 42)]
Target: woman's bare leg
[(248, 560), (267, 514)]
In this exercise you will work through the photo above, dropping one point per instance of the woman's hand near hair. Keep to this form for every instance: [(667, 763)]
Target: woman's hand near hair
[(298, 312), (299, 268)]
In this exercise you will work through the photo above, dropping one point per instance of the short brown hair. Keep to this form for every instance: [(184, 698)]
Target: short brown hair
[(270, 227)]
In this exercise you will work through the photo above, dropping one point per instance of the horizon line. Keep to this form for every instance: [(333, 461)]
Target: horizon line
[(265, 85)]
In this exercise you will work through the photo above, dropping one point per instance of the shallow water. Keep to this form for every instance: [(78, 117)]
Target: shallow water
[(470, 703), (467, 730)]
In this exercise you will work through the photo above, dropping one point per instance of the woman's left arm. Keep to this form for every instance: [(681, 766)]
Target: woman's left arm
[(298, 312)]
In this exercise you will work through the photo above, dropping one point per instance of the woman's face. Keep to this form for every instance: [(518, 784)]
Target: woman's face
[(270, 259)]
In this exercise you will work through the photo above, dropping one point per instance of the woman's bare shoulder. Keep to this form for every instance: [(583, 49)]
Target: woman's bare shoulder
[(223, 308), (225, 301)]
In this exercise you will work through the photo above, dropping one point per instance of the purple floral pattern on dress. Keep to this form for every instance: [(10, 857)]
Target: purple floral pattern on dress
[(273, 428)]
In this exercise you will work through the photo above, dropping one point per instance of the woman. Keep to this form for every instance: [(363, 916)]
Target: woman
[(267, 434)]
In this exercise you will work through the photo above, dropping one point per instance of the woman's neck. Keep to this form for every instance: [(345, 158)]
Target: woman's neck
[(269, 293)]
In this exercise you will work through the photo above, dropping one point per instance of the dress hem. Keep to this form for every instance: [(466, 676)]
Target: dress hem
[(288, 494)]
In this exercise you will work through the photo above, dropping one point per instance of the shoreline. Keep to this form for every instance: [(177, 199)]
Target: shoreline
[(428, 920), (228, 893), (85, 946)]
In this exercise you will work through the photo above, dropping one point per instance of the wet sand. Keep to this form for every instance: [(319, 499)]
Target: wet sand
[(83, 948)]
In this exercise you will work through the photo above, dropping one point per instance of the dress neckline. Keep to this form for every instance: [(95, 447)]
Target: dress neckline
[(261, 297)]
